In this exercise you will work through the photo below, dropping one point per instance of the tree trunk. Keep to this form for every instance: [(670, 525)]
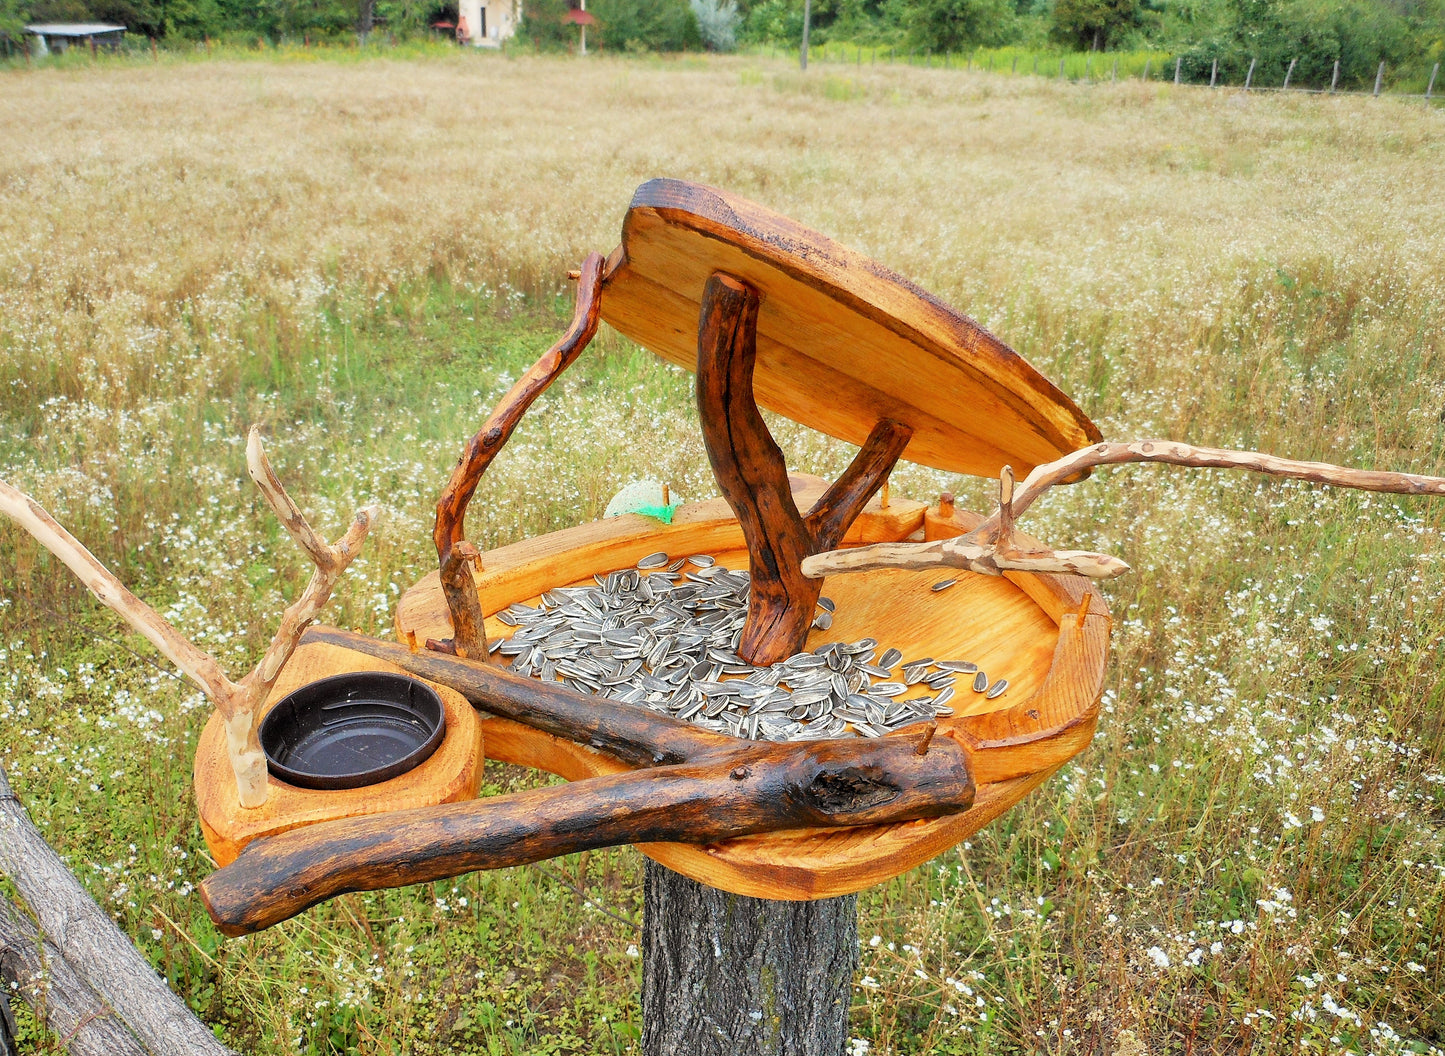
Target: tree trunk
[(724, 975)]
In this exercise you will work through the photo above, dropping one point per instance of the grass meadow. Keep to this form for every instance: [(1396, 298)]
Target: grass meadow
[(360, 256)]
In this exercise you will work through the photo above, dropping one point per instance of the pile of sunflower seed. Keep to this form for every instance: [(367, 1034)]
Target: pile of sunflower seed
[(664, 636)]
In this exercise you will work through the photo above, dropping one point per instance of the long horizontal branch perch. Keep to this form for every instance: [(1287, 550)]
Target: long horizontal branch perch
[(91, 944), (456, 556), (989, 547), (725, 792), (634, 735)]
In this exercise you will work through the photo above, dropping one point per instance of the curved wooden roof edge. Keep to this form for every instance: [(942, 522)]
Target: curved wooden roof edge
[(867, 288)]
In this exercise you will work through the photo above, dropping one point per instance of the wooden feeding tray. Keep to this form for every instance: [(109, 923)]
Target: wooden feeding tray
[(767, 313), (452, 773), (1023, 624)]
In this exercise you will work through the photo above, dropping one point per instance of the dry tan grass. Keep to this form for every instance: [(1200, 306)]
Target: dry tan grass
[(180, 244)]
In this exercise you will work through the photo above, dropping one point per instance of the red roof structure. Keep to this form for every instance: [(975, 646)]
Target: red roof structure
[(577, 17)]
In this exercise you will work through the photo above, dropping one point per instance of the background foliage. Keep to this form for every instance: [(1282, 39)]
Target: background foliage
[(1315, 33)]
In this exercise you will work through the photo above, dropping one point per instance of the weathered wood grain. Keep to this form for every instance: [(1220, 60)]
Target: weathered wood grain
[(724, 792), (724, 975), (61, 999), (455, 556), (91, 944)]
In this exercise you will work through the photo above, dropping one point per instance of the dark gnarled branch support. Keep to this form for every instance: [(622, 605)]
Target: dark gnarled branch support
[(753, 476), (718, 793), (456, 557)]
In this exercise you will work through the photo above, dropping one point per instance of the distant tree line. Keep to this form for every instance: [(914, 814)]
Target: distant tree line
[(1204, 35)]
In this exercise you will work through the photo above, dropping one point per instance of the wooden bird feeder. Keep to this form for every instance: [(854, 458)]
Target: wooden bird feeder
[(768, 314)]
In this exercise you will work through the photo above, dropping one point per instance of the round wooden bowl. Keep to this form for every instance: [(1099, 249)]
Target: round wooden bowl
[(1026, 628)]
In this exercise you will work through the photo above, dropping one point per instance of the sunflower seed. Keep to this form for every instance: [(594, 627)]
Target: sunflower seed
[(889, 658), (980, 682), (942, 584), (702, 560), (823, 620), (827, 603), (656, 560), (998, 689), (963, 667)]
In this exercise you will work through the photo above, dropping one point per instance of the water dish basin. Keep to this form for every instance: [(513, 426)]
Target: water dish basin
[(352, 730)]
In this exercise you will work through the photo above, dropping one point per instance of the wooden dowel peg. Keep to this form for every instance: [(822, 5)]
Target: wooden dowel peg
[(945, 504)]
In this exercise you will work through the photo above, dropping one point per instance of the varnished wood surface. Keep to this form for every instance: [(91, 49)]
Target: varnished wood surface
[(525, 569), (843, 342), (725, 791), (1009, 625), (452, 773)]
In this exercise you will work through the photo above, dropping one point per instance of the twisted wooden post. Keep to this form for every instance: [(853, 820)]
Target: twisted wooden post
[(456, 558), (753, 475)]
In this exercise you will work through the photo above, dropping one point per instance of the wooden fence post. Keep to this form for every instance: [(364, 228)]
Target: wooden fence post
[(1335, 77), (1288, 74), (1178, 62), (1147, 63), (1430, 88), (1213, 73), (84, 937), (1249, 77), (1061, 68), (1379, 78), (725, 975)]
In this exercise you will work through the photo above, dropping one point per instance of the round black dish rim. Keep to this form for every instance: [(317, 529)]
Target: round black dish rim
[(351, 730)]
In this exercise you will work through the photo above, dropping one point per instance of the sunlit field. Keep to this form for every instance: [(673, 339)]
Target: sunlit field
[(361, 256)]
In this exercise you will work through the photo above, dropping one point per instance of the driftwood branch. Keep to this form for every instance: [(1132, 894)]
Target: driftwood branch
[(238, 702), (721, 793), (634, 735), (753, 476), (990, 549), (455, 556), (91, 945)]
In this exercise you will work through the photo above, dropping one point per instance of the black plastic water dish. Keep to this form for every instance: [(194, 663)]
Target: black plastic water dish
[(351, 730)]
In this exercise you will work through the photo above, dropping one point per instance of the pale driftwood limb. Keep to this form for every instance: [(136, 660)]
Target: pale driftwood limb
[(238, 702), (988, 548), (91, 945), (983, 558), (62, 1000)]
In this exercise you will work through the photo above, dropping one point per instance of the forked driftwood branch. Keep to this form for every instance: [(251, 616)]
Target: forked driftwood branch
[(692, 786), (239, 703), (456, 558), (753, 476), (101, 989), (991, 548)]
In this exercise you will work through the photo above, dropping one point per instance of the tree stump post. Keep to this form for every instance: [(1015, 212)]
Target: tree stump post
[(726, 975)]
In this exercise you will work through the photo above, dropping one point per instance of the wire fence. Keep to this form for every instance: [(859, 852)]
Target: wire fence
[(1100, 67)]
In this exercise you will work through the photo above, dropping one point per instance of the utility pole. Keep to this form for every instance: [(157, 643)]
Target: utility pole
[(807, 20)]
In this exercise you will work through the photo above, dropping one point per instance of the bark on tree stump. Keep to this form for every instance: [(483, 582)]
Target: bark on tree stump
[(724, 975)]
